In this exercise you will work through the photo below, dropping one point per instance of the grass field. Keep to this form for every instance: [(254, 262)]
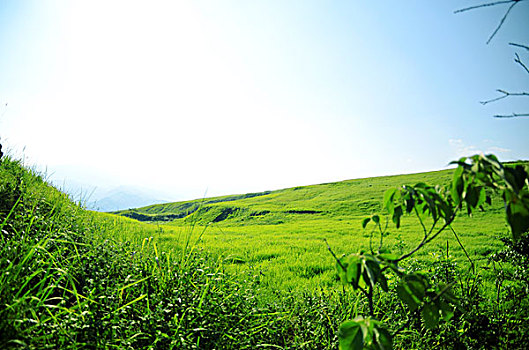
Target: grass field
[(281, 233), (237, 272)]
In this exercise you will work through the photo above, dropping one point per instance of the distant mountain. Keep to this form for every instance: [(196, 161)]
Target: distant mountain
[(122, 198), (95, 192)]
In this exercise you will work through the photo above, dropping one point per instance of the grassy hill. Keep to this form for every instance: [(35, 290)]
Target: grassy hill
[(340, 199), (281, 233)]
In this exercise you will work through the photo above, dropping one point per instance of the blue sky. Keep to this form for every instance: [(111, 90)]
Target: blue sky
[(241, 96)]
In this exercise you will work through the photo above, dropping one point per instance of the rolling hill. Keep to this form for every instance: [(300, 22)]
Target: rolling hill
[(283, 233), (343, 199)]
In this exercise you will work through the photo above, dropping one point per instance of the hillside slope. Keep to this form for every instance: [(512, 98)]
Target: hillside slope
[(281, 233), (343, 199)]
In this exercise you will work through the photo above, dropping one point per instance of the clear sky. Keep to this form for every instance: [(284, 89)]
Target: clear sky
[(181, 97)]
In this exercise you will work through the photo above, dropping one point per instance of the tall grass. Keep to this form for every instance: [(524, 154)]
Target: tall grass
[(70, 280)]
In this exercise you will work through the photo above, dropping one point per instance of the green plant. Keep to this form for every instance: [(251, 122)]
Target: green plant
[(435, 208)]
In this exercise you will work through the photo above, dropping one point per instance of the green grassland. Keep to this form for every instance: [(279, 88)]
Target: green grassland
[(236, 272), (281, 233)]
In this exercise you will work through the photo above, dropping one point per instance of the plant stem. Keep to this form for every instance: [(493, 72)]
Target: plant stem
[(427, 239)]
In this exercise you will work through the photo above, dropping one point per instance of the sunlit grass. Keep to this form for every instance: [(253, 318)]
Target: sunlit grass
[(234, 272), (282, 234)]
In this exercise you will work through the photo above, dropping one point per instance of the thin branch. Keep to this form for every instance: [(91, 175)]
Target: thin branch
[(505, 94), (495, 99), (382, 234), (503, 20), (464, 250), (514, 115), (433, 226), (334, 255), (420, 220), (514, 2), (427, 239), (519, 45), (519, 61), (484, 5)]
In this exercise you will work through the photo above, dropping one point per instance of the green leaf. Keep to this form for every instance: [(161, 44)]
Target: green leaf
[(448, 295), (383, 282), (417, 286), (427, 196), (369, 275), (382, 338), (376, 219), (340, 270), (354, 270), (472, 197), (378, 276), (410, 203), (350, 336), (412, 290), (365, 222), (518, 218), (493, 160), (482, 197), (397, 214), (461, 162), (516, 177), (430, 314), (446, 209), (407, 297), (388, 199), (457, 185)]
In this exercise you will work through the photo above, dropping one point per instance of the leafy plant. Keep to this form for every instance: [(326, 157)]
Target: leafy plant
[(435, 208)]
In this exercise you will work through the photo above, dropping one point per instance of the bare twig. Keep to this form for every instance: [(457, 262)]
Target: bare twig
[(520, 45), (503, 20), (495, 3), (505, 94), (514, 115), (517, 57), (519, 61), (484, 5)]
